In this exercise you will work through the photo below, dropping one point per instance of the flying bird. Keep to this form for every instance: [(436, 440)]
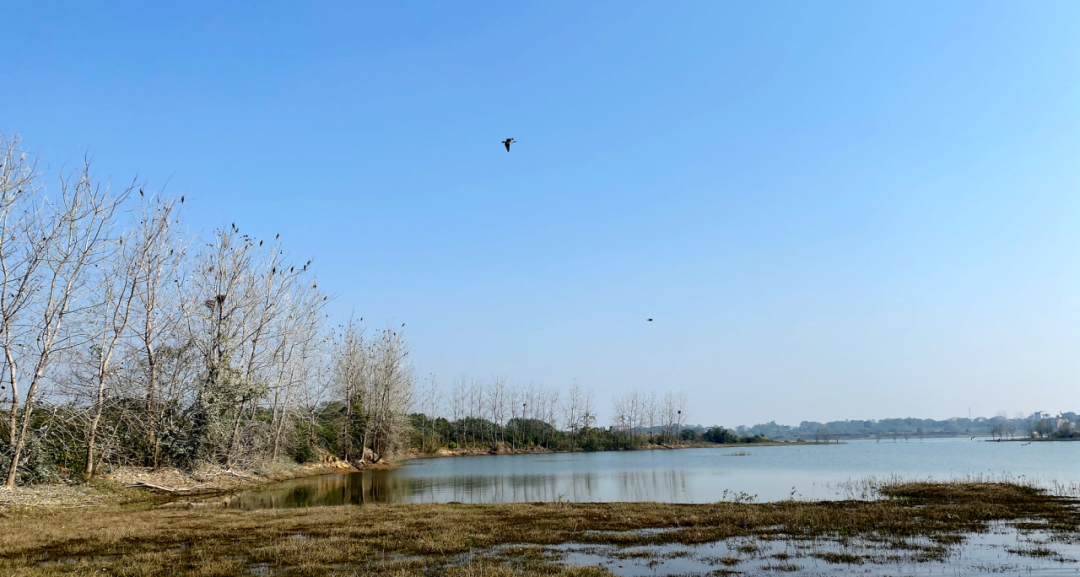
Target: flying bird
[(508, 142), (650, 320)]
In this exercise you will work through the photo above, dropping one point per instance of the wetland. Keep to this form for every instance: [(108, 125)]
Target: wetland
[(955, 507)]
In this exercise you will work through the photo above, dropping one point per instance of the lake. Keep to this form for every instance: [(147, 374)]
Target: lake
[(677, 476)]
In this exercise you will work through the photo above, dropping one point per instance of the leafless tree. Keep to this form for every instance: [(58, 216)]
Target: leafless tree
[(158, 251), (573, 407), (431, 402), (497, 403), (391, 396), (107, 322), (351, 375), (47, 248), (459, 404)]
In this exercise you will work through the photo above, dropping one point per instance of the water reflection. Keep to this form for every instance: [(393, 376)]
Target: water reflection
[(385, 487), (691, 476)]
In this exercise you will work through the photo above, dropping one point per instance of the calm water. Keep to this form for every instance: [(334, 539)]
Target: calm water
[(685, 476), (1001, 550)]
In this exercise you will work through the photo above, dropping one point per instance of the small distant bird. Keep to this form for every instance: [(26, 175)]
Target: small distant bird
[(1025, 444), (973, 438), (140, 192), (508, 142), (181, 199), (650, 320)]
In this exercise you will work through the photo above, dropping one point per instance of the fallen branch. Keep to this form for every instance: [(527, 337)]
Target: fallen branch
[(144, 485), (227, 472)]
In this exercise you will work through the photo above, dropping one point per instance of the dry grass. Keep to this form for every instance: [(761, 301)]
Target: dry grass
[(213, 479), (411, 539)]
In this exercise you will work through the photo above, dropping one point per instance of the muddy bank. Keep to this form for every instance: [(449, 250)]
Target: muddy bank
[(128, 485)]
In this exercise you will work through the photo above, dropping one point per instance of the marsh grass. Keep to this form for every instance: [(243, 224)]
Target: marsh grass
[(870, 488), (506, 539)]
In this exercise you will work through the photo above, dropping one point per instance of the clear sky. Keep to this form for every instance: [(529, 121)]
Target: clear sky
[(831, 209)]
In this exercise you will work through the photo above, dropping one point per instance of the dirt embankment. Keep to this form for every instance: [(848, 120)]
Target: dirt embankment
[(133, 484), (217, 479)]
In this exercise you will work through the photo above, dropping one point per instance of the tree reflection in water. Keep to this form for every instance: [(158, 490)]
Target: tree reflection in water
[(387, 487)]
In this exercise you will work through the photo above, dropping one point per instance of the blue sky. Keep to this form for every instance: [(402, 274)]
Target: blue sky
[(831, 209)]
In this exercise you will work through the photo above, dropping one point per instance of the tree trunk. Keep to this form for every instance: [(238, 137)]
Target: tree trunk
[(98, 407)]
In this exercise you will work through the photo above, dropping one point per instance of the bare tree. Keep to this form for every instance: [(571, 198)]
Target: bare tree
[(391, 395), (432, 404), (497, 404), (158, 251), (350, 377), (109, 315), (459, 405), (47, 247), (317, 389), (572, 409)]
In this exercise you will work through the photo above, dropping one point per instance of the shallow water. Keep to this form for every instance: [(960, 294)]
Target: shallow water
[(686, 476), (1002, 550)]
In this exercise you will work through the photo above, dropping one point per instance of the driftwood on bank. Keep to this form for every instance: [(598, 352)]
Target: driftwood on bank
[(144, 485)]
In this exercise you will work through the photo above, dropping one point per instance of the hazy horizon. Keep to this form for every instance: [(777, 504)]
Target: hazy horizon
[(831, 211)]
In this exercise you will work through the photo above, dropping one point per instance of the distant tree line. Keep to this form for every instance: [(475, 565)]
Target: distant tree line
[(490, 414), (1036, 425)]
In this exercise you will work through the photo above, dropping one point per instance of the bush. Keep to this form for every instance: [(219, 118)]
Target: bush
[(37, 464), (720, 435), (451, 445), (305, 454)]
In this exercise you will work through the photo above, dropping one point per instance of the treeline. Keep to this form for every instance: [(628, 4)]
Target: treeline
[(490, 414), (127, 341), (1038, 424)]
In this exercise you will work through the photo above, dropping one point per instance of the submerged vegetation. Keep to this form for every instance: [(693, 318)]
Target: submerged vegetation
[(916, 522)]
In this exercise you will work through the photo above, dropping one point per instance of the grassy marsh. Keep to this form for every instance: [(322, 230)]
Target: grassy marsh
[(919, 521)]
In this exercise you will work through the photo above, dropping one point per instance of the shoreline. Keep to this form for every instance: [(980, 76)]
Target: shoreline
[(134, 485), (1033, 440), (502, 451)]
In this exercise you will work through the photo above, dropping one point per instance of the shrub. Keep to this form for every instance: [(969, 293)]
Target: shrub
[(305, 454)]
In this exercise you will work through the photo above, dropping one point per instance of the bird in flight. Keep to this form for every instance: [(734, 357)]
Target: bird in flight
[(650, 320), (508, 142)]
